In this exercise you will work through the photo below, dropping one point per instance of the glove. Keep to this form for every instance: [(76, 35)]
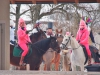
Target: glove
[(27, 32), (78, 41), (28, 43)]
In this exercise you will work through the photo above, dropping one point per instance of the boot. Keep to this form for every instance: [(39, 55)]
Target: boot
[(21, 60), (89, 60)]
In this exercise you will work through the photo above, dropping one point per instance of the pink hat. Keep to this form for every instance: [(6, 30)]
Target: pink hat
[(82, 23), (20, 21)]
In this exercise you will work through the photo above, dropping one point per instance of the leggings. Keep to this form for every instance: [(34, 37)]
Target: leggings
[(87, 49), (24, 48)]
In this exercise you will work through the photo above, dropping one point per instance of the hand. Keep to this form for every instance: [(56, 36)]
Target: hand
[(29, 43), (35, 26), (27, 32)]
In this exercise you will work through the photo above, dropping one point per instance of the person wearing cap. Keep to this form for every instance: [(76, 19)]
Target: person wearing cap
[(82, 37), (23, 39), (49, 31), (12, 31), (36, 28)]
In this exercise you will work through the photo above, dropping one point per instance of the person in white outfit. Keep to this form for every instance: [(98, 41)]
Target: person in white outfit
[(35, 29), (12, 32)]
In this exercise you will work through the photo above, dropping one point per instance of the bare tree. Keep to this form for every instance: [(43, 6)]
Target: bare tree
[(17, 14), (67, 16)]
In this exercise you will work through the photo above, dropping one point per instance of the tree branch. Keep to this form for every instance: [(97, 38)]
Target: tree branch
[(24, 12), (13, 13)]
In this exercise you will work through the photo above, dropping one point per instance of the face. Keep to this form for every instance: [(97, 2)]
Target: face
[(82, 26), (49, 30), (22, 24)]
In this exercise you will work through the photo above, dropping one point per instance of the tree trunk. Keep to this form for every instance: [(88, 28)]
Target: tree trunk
[(17, 17)]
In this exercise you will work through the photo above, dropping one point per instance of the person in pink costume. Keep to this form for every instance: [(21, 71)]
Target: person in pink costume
[(82, 37), (23, 39)]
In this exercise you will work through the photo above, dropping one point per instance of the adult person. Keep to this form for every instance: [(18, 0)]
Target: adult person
[(36, 27), (12, 32), (49, 31)]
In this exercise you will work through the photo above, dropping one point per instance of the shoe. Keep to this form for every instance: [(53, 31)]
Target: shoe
[(21, 60), (89, 60)]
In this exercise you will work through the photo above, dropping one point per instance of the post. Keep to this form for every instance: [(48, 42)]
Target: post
[(4, 35)]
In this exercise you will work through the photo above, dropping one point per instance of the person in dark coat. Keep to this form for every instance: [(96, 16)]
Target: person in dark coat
[(49, 31)]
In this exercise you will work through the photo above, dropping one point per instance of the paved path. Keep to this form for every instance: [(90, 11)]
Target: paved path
[(7, 72)]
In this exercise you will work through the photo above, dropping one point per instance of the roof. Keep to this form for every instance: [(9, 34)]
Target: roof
[(52, 1)]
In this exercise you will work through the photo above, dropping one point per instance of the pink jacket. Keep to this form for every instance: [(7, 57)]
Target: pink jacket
[(83, 35), (23, 38)]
